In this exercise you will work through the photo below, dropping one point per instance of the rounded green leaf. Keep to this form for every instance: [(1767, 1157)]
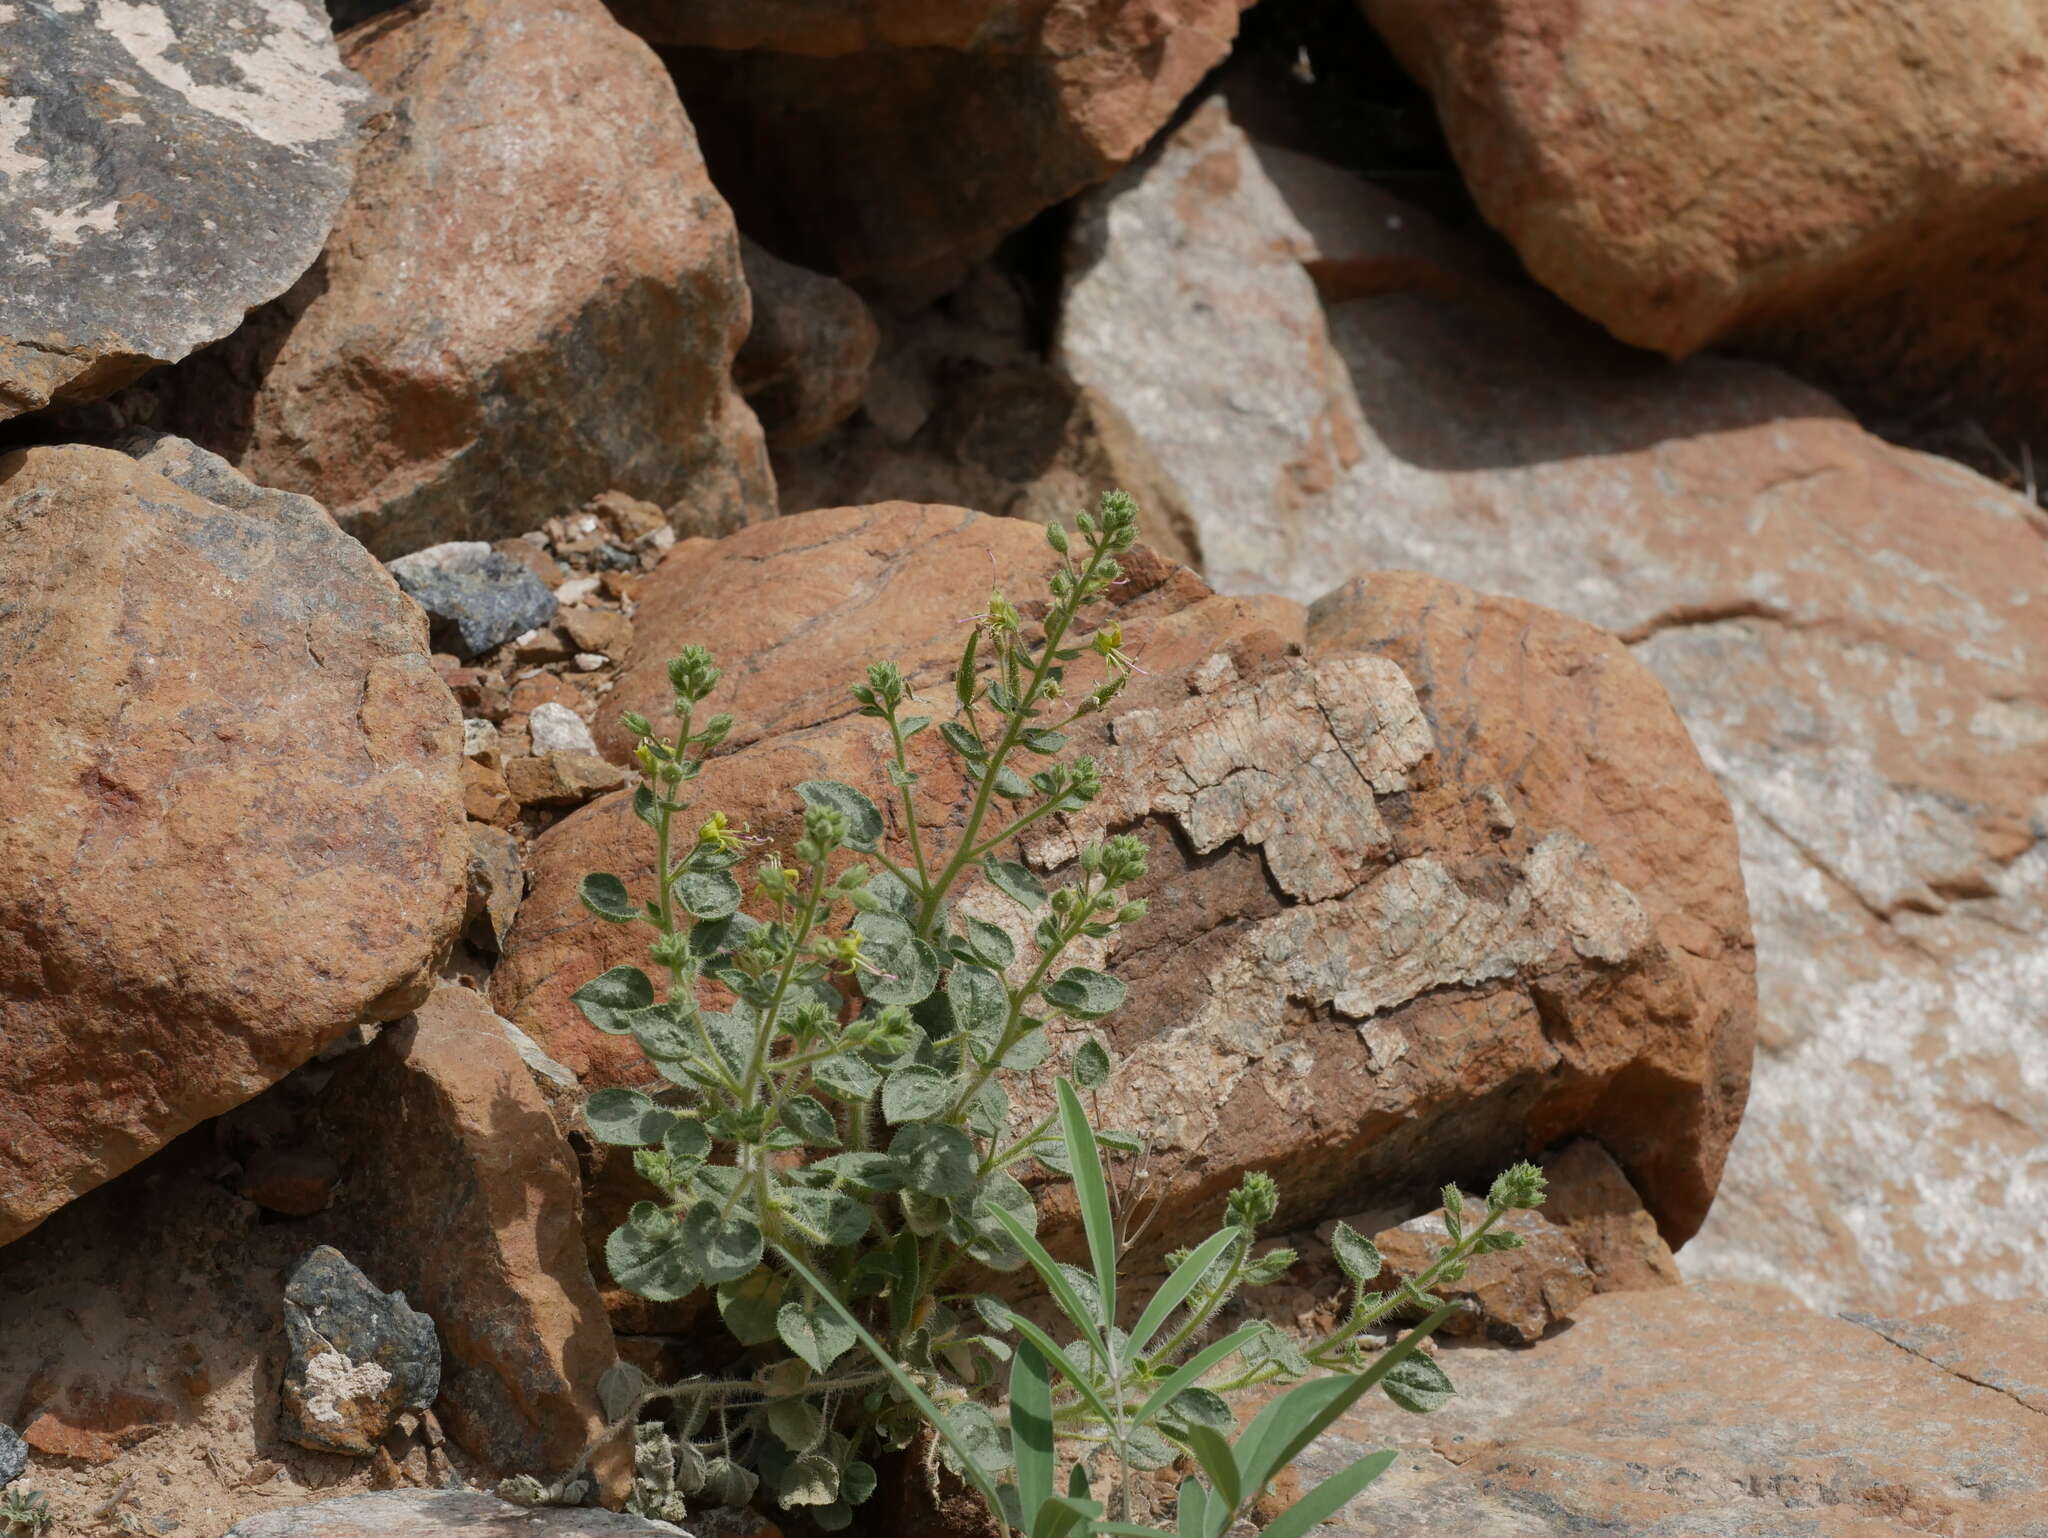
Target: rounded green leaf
[(863, 819), (937, 1160), (836, 1218), (1417, 1383), (708, 894), (809, 1120), (907, 968), (721, 1251), (1357, 1256), (916, 1093), (820, 1337), (986, 943), (649, 1257), (686, 1141), (1091, 1064), (981, 1004), (609, 999), (607, 897), (1015, 882), (846, 1077), (1084, 993), (994, 1246), (856, 1482), (748, 1306), (625, 1118)]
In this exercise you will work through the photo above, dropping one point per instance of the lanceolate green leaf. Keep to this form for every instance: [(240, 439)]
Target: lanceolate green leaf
[(1190, 1372), (1093, 1192), (1219, 1463), (1031, 1438), (1177, 1286), (1076, 1375), (1049, 1272)]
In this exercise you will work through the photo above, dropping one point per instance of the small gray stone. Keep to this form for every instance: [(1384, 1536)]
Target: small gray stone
[(556, 728), (358, 1356), (476, 597), (444, 1514), (14, 1453)]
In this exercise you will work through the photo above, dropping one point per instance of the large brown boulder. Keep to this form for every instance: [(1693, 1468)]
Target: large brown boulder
[(1727, 1409), (1852, 633), (459, 1189), (160, 182), (233, 824), (894, 145), (1387, 945), (533, 296), (1857, 191)]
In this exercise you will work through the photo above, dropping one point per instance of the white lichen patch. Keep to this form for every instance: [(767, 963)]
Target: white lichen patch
[(290, 93), (15, 158), (335, 1387)]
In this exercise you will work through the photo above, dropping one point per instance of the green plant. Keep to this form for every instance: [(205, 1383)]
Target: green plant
[(25, 1511), (830, 1139)]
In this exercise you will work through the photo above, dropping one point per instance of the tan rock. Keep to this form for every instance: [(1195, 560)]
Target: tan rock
[(604, 631), (562, 778), (2003, 1346), (894, 147), (532, 296), (1851, 632), (1855, 192), (1727, 1409), (233, 827), (1514, 1296), (461, 1192), (496, 883), (1349, 976), (804, 367), (485, 795), (1590, 1199)]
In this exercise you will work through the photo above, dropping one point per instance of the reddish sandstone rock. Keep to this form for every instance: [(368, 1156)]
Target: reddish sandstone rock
[(1851, 632), (894, 146), (1514, 1296), (1856, 192), (532, 296), (460, 1191), (233, 826), (1726, 1409), (1387, 943)]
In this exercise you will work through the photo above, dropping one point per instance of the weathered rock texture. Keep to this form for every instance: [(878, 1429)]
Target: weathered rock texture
[(1852, 632), (158, 179), (442, 1514), (460, 1190), (1390, 938), (804, 367), (359, 1356), (894, 145), (1729, 1409), (233, 825), (1858, 191), (533, 296)]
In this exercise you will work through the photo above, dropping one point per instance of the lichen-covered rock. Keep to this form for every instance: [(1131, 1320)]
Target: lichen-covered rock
[(461, 1190), (233, 822), (1406, 916), (532, 296), (444, 1514), (1852, 633), (1855, 191), (1730, 1409), (358, 1356), (894, 146), (162, 172)]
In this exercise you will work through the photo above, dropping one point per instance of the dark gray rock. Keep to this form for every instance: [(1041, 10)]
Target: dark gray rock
[(358, 1356), (13, 1454), (163, 168), (443, 1514), (475, 597)]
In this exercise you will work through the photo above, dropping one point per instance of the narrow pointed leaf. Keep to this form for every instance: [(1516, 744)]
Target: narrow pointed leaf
[(1093, 1192), (1069, 1368), (1049, 1272), (1031, 1426), (1177, 1286), (1190, 1372), (1219, 1463)]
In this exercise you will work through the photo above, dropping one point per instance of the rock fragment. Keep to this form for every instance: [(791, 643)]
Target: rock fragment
[(358, 1356), (475, 597)]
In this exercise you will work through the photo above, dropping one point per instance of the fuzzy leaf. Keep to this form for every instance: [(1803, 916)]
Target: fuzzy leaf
[(1091, 1064), (625, 1118), (837, 1218), (607, 897), (748, 1306), (909, 968), (870, 1171), (649, 1256), (1357, 1256), (916, 1093), (708, 894), (863, 818), (1015, 882), (1417, 1383), (981, 1004), (846, 1077), (1084, 993), (722, 1251), (608, 999), (937, 1160), (819, 1337), (987, 943), (809, 1120)]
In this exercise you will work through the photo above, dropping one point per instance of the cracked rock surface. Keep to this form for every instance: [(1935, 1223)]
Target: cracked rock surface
[(1738, 1413), (159, 178), (1357, 972), (235, 820), (1854, 634)]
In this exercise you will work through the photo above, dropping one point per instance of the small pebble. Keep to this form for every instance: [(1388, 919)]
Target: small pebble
[(558, 729)]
